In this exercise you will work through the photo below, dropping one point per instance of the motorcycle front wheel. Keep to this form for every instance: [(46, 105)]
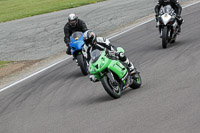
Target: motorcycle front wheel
[(164, 37), (113, 91), (82, 63)]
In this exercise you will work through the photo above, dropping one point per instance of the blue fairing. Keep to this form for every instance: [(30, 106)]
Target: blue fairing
[(76, 42)]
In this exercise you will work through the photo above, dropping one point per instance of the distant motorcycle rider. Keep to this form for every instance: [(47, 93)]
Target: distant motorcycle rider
[(93, 42), (175, 5), (74, 24)]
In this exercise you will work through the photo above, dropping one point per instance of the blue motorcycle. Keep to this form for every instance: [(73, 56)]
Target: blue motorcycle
[(76, 44)]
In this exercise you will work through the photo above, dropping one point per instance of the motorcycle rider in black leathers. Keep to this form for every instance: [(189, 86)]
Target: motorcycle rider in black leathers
[(74, 24), (93, 42), (175, 5)]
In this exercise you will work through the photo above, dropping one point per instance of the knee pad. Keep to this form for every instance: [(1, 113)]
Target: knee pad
[(122, 57)]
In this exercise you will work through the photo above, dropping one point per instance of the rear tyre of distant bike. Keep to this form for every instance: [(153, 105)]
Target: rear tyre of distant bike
[(82, 63), (113, 91)]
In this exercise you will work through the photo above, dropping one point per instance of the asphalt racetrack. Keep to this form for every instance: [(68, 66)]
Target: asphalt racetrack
[(61, 100), (42, 36)]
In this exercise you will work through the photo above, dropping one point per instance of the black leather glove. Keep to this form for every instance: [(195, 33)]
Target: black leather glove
[(114, 53), (156, 17), (107, 51)]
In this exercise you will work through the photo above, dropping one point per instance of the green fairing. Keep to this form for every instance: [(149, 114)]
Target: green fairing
[(117, 68), (102, 63)]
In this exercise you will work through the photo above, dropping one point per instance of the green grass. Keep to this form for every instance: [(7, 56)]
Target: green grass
[(4, 63), (16, 9)]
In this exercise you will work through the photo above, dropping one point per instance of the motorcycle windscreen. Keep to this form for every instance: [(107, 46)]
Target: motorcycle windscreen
[(166, 9), (95, 55), (77, 35), (76, 41)]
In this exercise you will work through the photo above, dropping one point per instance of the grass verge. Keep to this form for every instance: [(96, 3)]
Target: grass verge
[(4, 63), (16, 9)]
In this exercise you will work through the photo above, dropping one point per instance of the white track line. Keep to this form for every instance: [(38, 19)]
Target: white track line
[(34, 74), (71, 56)]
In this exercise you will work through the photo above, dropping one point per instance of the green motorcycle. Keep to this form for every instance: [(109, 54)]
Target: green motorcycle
[(114, 76)]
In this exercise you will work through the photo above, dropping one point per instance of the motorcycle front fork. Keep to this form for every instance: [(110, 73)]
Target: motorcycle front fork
[(169, 32)]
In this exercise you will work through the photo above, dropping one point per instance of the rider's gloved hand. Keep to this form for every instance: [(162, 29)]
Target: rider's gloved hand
[(68, 51), (107, 51), (114, 53), (93, 78), (156, 17)]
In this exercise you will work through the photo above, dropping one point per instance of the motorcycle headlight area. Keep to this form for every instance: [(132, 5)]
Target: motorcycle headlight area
[(91, 69), (166, 18), (94, 68), (102, 62)]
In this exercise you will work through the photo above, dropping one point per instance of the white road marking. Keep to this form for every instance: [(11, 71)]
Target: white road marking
[(71, 56), (34, 74)]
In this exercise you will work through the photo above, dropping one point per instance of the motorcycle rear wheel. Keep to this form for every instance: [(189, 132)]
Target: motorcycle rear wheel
[(136, 82)]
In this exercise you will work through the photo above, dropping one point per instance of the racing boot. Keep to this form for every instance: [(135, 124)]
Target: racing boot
[(180, 22), (179, 30), (127, 63), (93, 78), (133, 72), (130, 67)]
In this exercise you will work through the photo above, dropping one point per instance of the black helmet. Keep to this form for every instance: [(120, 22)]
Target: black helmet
[(166, 0), (73, 19), (89, 37)]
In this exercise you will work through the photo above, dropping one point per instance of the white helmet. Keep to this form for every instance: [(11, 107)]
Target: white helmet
[(89, 37)]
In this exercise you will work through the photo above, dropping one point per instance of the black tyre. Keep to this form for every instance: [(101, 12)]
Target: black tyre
[(114, 92), (137, 82), (164, 38), (82, 63)]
